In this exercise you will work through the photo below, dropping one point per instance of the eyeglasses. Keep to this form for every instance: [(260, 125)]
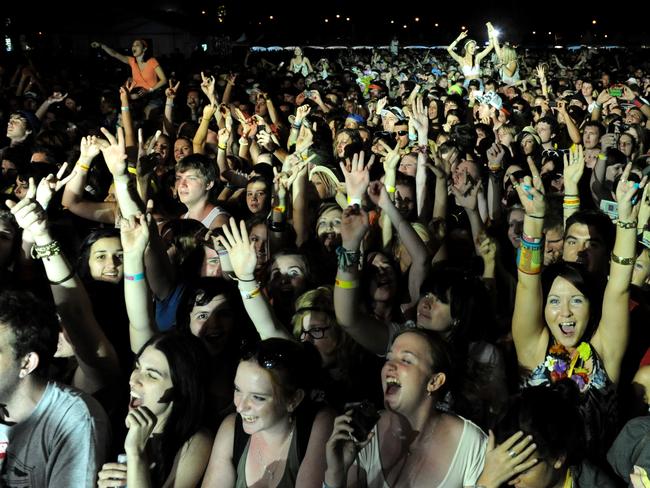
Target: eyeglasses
[(553, 153), (315, 333), (400, 132)]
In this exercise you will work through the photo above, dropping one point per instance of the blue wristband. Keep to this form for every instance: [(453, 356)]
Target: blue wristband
[(135, 277)]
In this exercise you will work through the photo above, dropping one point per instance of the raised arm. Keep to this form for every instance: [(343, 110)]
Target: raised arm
[(97, 359), (111, 52), (528, 329), (243, 258), (420, 121), (364, 329), (452, 46), (574, 165), (611, 337), (73, 199), (480, 56), (168, 118), (572, 128), (134, 233)]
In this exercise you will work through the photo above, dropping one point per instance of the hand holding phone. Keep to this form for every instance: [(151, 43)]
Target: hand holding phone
[(616, 91), (364, 417)]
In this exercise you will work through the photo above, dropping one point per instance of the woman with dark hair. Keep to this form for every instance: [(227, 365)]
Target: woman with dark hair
[(413, 443), (276, 438), (557, 458), (166, 444), (558, 328)]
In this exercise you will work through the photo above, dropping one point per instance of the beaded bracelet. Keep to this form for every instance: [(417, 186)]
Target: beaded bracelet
[(46, 250), (627, 225)]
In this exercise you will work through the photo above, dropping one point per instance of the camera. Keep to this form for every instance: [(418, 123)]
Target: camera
[(615, 91), (364, 417)]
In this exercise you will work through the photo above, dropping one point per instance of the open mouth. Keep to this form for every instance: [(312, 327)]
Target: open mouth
[(249, 419), (392, 386), (568, 328), (135, 401)]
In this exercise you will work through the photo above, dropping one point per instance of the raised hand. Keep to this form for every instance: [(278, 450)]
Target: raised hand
[(134, 234), (140, 422), (114, 152), (89, 148), (469, 199), (381, 104), (531, 196), (241, 250), (49, 185), (574, 165), (357, 176), (172, 90), (354, 225), (540, 71), (419, 117), (462, 36), (28, 213), (56, 97), (301, 113), (495, 155), (628, 209), (207, 87), (391, 156), (379, 195)]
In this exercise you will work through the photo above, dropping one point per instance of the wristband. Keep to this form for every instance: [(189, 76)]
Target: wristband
[(134, 277), (346, 258), (169, 104), (413, 137), (529, 260), (124, 109), (346, 285), (295, 126), (637, 102), (354, 201), (222, 146), (390, 189), (623, 261), (530, 239), (132, 170), (534, 216), (278, 226), (279, 208), (247, 295), (243, 142), (62, 280), (598, 105), (83, 166), (626, 225)]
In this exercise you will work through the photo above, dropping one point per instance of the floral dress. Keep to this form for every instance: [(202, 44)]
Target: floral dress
[(598, 404)]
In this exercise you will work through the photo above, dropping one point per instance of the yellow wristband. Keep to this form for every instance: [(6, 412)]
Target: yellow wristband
[(347, 285), (279, 208), (390, 189), (132, 170), (84, 167)]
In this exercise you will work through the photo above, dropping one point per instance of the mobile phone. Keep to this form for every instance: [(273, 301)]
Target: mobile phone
[(615, 91), (364, 417), (552, 104), (610, 208)]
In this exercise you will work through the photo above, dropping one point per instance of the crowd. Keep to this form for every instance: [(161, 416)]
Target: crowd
[(382, 269)]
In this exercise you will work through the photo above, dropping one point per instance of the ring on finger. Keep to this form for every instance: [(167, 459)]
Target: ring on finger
[(512, 453)]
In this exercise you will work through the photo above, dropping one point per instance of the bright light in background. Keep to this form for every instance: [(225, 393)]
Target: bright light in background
[(392, 21), (593, 22), (270, 17), (338, 16), (497, 32), (417, 19), (436, 24), (327, 20), (348, 19)]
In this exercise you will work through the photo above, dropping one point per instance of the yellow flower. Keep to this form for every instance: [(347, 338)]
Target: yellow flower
[(584, 351)]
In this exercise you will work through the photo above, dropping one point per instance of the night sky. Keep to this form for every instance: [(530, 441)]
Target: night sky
[(521, 22)]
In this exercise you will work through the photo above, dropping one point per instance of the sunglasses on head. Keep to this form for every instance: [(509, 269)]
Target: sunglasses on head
[(267, 357), (554, 153)]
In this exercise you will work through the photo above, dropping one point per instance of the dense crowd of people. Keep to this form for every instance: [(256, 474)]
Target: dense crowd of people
[(382, 268)]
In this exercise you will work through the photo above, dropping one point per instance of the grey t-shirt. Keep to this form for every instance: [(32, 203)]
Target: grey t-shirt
[(63, 443)]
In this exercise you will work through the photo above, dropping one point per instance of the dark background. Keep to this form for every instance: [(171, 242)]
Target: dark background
[(529, 23)]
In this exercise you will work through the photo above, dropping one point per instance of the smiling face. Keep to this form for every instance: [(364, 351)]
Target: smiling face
[(105, 260), (151, 385), (328, 228), (182, 148), (256, 401), (566, 312), (407, 375)]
